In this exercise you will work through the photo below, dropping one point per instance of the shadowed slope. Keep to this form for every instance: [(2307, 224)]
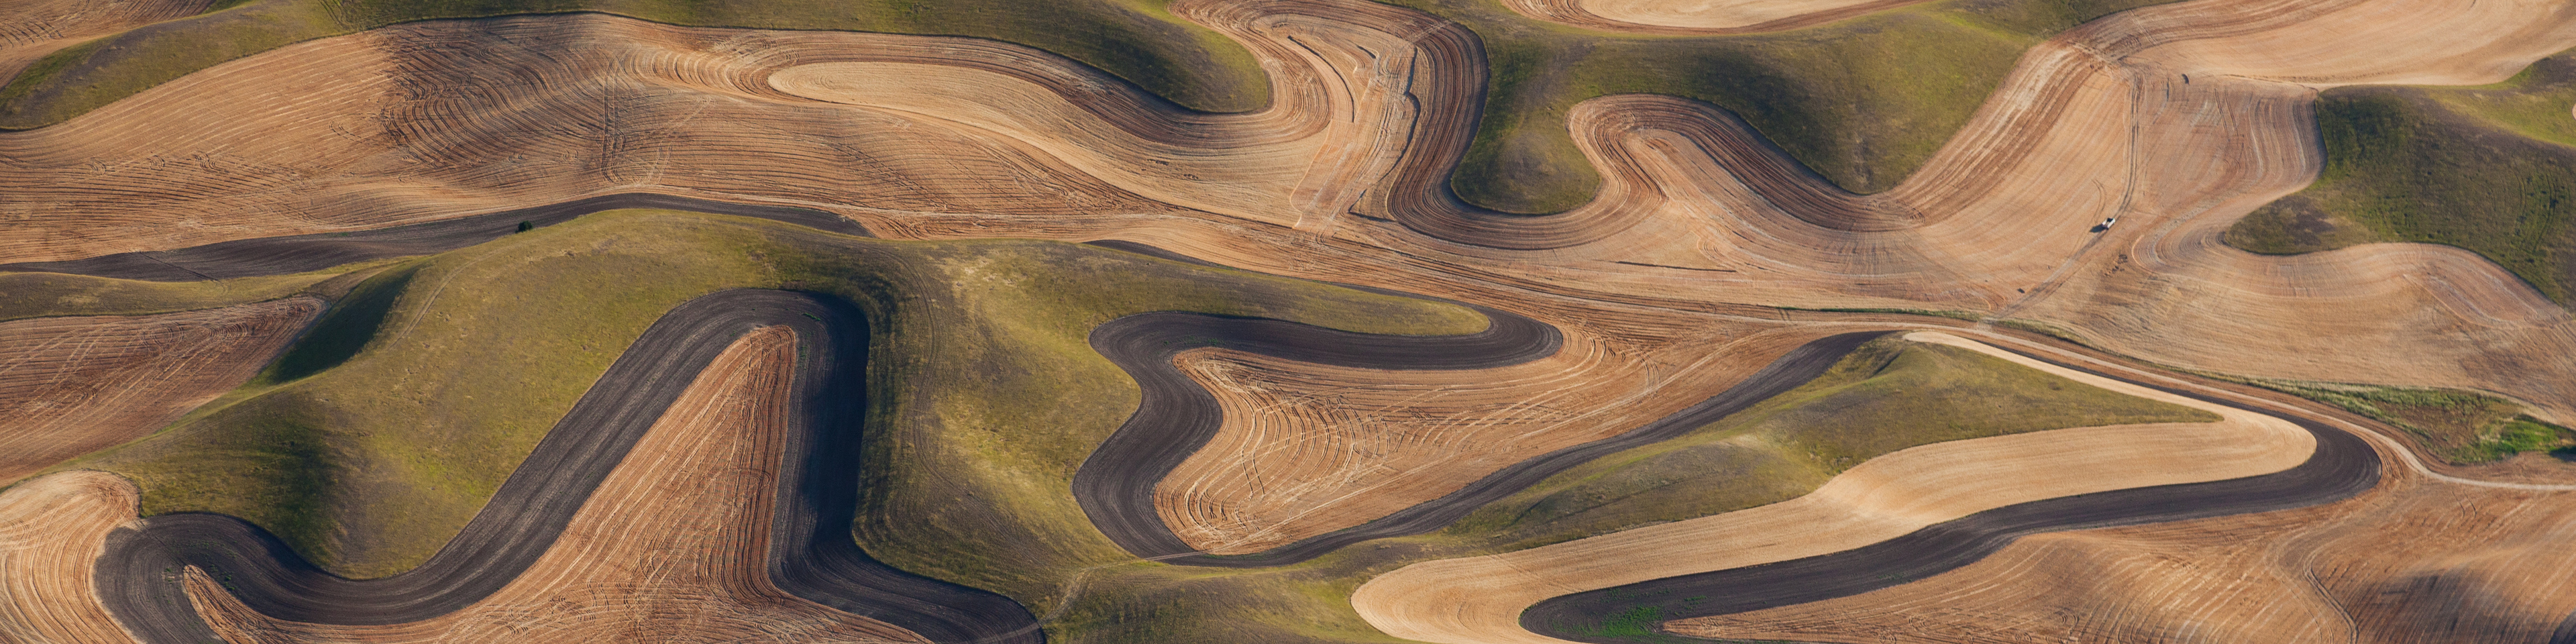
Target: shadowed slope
[(2414, 560), (73, 385), (1865, 102), (1889, 511), (810, 554), (674, 540)]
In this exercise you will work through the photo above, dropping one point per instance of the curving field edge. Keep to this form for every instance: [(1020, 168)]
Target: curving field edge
[(1177, 416), (812, 552), (2342, 466), (313, 252)]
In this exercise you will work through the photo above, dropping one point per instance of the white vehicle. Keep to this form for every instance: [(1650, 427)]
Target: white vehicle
[(2107, 221)]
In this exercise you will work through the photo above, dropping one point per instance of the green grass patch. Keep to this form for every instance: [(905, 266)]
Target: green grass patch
[(2515, 436), (1864, 102), (2490, 169), (2458, 426)]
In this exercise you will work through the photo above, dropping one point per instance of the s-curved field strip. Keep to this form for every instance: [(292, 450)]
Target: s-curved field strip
[(2342, 465), (811, 554)]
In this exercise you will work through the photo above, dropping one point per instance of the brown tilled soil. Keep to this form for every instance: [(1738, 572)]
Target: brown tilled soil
[(73, 385), (52, 530), (1307, 449), (1480, 599), (2416, 561), (435, 120), (671, 548)]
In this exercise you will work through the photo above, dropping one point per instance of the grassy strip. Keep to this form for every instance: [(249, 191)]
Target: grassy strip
[(1970, 316), (1138, 40), (383, 431), (1863, 101), (2458, 426), (37, 295), (1889, 395), (2490, 169)]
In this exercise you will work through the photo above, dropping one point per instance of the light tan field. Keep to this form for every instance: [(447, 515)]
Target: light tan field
[(1478, 600), (671, 548), (406, 124), (2416, 560), (52, 531), (1306, 449), (73, 385)]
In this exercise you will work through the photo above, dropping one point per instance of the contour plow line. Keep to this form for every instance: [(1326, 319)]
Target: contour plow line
[(673, 541), (954, 138), (78, 384), (2120, 118), (1826, 543), (156, 574), (1260, 438), (1178, 417)]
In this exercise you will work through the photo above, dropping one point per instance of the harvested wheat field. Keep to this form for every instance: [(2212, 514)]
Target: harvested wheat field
[(57, 529), (1481, 599), (669, 548), (1287, 321), (2416, 561), (75, 385)]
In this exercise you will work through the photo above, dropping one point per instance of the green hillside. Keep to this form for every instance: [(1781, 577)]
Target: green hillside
[(2491, 169)]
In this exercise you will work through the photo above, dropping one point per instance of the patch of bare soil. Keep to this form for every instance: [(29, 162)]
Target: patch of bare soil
[(2415, 561), (73, 385), (672, 547), (1480, 599), (52, 531), (1307, 449)]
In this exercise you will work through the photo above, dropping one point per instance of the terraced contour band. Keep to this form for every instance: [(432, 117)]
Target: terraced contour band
[(812, 551), (2343, 465)]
